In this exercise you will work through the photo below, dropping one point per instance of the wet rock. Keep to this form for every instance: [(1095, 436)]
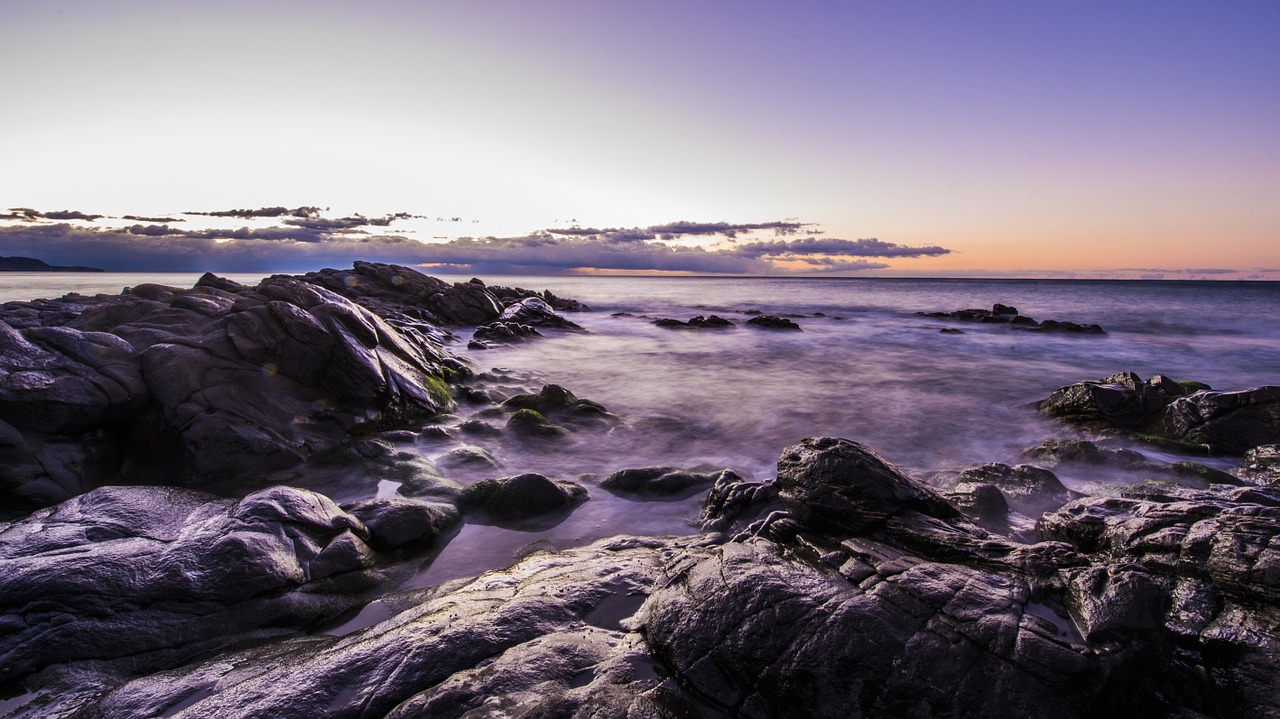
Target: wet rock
[(837, 485), (143, 577), (1208, 556), (531, 424), (479, 427), (671, 323), (1232, 422), (547, 637), (162, 384), (773, 322), (1171, 413), (1028, 490), (1203, 475), (504, 333), (511, 295), (522, 497), (658, 483), (734, 502), (1123, 401), (554, 401), (760, 632), (915, 613), (468, 457), (710, 322), (1004, 314), (1055, 452), (431, 487), (1064, 326), (1262, 465), (535, 312), (951, 331), (983, 503), (404, 293), (404, 524)]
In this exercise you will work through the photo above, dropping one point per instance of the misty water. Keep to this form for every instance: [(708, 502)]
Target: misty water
[(864, 367)]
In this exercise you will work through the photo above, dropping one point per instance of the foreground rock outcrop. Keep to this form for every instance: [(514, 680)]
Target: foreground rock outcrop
[(548, 637), (864, 593), (143, 577), (875, 599)]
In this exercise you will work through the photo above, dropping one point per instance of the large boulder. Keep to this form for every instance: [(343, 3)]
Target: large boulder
[(1185, 415), (1122, 401), (1232, 422), (838, 485), (163, 384), (143, 577)]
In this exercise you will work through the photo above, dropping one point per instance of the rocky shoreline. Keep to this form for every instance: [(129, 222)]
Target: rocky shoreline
[(157, 559)]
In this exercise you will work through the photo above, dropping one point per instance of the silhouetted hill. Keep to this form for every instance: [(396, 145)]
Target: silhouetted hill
[(30, 264)]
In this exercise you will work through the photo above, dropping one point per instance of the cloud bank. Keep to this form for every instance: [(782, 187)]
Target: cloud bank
[(302, 238)]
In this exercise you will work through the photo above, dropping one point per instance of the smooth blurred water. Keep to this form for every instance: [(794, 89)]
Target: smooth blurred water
[(871, 370), (874, 371)]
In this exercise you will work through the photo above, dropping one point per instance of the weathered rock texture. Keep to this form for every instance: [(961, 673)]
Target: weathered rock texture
[(876, 599), (546, 638), (192, 385), (147, 576), (1227, 422)]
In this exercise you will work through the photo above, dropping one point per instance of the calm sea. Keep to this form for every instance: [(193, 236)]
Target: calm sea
[(869, 370)]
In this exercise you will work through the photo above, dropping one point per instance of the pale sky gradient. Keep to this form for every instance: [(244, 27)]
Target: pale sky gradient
[(1101, 138)]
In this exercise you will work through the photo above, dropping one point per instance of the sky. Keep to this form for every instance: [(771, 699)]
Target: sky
[(922, 137)]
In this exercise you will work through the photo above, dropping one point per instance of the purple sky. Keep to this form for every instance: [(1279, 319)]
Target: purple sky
[(1094, 138)]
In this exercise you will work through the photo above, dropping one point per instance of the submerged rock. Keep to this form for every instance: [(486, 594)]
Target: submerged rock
[(1004, 314), (659, 483), (773, 322), (522, 497), (554, 401)]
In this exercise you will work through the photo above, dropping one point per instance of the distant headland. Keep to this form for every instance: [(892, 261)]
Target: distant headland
[(30, 264)]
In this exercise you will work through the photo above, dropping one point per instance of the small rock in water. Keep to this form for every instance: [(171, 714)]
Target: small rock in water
[(773, 322)]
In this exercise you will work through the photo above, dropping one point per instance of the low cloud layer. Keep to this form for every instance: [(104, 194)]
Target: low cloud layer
[(303, 239)]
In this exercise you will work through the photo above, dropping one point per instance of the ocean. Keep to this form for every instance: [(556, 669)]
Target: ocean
[(864, 367)]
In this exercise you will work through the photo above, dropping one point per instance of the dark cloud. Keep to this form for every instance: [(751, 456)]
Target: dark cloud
[(28, 214), (302, 243), (300, 212), (138, 218), (814, 246), (676, 230)]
